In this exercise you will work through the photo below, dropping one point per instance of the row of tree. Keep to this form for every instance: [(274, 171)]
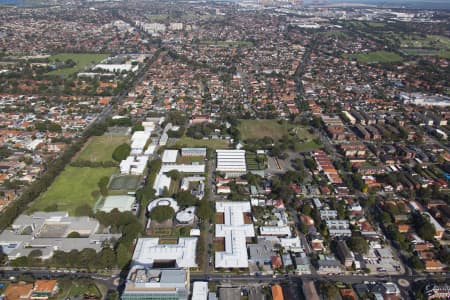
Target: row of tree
[(40, 185)]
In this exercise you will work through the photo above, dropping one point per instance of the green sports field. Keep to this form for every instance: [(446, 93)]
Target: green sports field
[(71, 189), (429, 41), (376, 57), (211, 143), (101, 148), (82, 60), (258, 129)]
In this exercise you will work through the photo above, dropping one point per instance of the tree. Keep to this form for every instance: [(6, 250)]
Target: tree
[(107, 258), (416, 263), (162, 213), (423, 227), (123, 256), (329, 290), (341, 210), (306, 209), (83, 210), (34, 256), (174, 175), (185, 199), (204, 211), (74, 235), (103, 185), (21, 261), (121, 152), (310, 163), (165, 192), (88, 257), (358, 244), (137, 127)]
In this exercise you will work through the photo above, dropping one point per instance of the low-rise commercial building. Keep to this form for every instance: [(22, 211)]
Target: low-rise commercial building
[(147, 284)]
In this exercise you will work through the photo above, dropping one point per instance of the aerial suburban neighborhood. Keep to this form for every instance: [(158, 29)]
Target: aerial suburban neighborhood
[(224, 150)]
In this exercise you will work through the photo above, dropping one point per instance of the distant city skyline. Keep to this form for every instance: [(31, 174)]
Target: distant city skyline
[(416, 4)]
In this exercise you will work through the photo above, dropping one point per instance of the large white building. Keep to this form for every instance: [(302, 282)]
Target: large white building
[(235, 232), (134, 165), (116, 67), (231, 162), (138, 141), (162, 180), (169, 156), (49, 232), (149, 250)]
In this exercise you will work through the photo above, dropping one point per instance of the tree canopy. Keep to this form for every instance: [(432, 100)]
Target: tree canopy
[(121, 152), (185, 199), (162, 213), (358, 244), (423, 227), (74, 235)]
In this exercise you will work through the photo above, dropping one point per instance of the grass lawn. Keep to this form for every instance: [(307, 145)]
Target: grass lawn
[(430, 41), (174, 186), (158, 17), (81, 288), (257, 129), (308, 146), (71, 189), (336, 34), (212, 144), (82, 60), (101, 148), (428, 52), (376, 24), (376, 57)]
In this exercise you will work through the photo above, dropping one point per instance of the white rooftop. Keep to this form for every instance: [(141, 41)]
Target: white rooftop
[(149, 250), (170, 156), (163, 202), (275, 230), (235, 232), (200, 290), (231, 161), (134, 165), (162, 180)]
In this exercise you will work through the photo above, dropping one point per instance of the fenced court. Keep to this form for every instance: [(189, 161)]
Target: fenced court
[(125, 182)]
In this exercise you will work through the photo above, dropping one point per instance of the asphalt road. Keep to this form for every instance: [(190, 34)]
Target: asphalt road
[(112, 282)]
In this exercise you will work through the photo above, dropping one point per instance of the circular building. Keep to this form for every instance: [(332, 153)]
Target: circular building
[(186, 216), (163, 202)]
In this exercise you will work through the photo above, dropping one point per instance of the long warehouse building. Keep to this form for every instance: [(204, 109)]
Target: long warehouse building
[(231, 162)]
